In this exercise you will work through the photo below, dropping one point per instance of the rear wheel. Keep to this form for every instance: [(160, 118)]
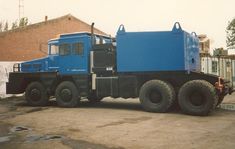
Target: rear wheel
[(67, 94), (156, 96), (36, 94), (197, 97)]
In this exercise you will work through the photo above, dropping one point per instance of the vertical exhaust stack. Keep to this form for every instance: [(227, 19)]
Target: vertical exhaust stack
[(92, 58), (92, 34)]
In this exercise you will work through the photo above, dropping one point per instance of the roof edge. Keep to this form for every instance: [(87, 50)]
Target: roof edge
[(20, 29)]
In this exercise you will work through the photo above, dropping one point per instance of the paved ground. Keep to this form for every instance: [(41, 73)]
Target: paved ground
[(113, 124)]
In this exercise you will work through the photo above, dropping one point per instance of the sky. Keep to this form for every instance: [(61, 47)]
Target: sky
[(202, 16)]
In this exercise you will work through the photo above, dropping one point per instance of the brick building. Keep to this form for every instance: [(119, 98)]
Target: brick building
[(30, 42)]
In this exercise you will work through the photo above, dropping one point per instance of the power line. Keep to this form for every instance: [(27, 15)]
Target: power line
[(21, 9)]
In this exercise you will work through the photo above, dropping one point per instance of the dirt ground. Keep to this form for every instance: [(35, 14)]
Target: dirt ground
[(114, 124)]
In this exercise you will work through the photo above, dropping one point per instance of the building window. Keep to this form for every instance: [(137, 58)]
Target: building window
[(214, 66), (78, 48), (64, 49), (54, 50)]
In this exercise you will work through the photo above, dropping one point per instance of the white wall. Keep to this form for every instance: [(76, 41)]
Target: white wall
[(222, 69), (206, 65), (5, 68)]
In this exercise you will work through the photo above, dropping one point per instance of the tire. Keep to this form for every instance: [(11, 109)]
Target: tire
[(67, 94), (156, 96), (175, 104), (92, 98), (197, 97), (36, 94)]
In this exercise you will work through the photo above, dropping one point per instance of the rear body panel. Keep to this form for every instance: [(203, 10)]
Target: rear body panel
[(191, 52)]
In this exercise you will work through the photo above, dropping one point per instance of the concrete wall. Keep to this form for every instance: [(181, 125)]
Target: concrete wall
[(5, 68)]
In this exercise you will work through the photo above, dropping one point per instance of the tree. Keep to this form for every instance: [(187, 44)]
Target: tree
[(230, 30), (6, 26), (1, 26), (14, 25), (23, 22)]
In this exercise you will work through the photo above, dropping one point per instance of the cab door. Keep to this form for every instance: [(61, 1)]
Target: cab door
[(53, 64), (72, 59)]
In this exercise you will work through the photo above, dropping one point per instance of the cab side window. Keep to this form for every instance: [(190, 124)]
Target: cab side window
[(78, 48), (54, 50), (64, 49)]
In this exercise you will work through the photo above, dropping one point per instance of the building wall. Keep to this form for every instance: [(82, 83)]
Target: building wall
[(204, 44), (31, 42), (223, 67)]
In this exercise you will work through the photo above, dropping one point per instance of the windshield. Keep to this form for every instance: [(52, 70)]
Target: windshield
[(54, 50)]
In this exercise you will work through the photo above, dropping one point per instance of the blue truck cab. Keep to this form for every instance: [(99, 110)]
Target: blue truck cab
[(68, 54), (161, 68)]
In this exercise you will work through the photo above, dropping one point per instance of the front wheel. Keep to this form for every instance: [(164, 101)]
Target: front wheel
[(36, 94), (197, 97), (67, 94)]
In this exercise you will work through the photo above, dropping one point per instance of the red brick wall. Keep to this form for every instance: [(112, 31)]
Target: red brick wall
[(25, 44)]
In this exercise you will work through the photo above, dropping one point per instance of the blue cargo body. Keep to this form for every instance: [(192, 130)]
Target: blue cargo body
[(174, 50)]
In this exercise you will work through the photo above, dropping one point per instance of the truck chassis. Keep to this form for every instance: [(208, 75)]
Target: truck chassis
[(158, 91)]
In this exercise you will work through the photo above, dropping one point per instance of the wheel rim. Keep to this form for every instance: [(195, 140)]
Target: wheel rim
[(197, 99), (35, 94), (155, 96), (66, 95)]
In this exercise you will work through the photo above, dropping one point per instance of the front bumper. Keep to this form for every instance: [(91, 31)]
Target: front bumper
[(15, 84)]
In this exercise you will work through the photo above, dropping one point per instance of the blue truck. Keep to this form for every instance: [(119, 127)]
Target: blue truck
[(162, 68)]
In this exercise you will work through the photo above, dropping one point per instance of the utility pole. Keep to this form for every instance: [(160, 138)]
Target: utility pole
[(21, 9)]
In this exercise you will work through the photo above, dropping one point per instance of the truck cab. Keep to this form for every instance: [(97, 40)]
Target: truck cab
[(68, 54)]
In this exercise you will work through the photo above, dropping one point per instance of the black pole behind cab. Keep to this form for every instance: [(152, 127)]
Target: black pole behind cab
[(92, 34)]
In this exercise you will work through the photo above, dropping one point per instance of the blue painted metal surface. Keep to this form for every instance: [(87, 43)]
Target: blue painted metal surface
[(157, 51), (64, 64), (34, 65), (136, 52)]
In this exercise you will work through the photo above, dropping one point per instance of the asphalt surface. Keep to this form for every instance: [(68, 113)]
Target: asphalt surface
[(113, 123)]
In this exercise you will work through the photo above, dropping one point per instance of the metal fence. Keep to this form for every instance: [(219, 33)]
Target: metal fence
[(221, 66)]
